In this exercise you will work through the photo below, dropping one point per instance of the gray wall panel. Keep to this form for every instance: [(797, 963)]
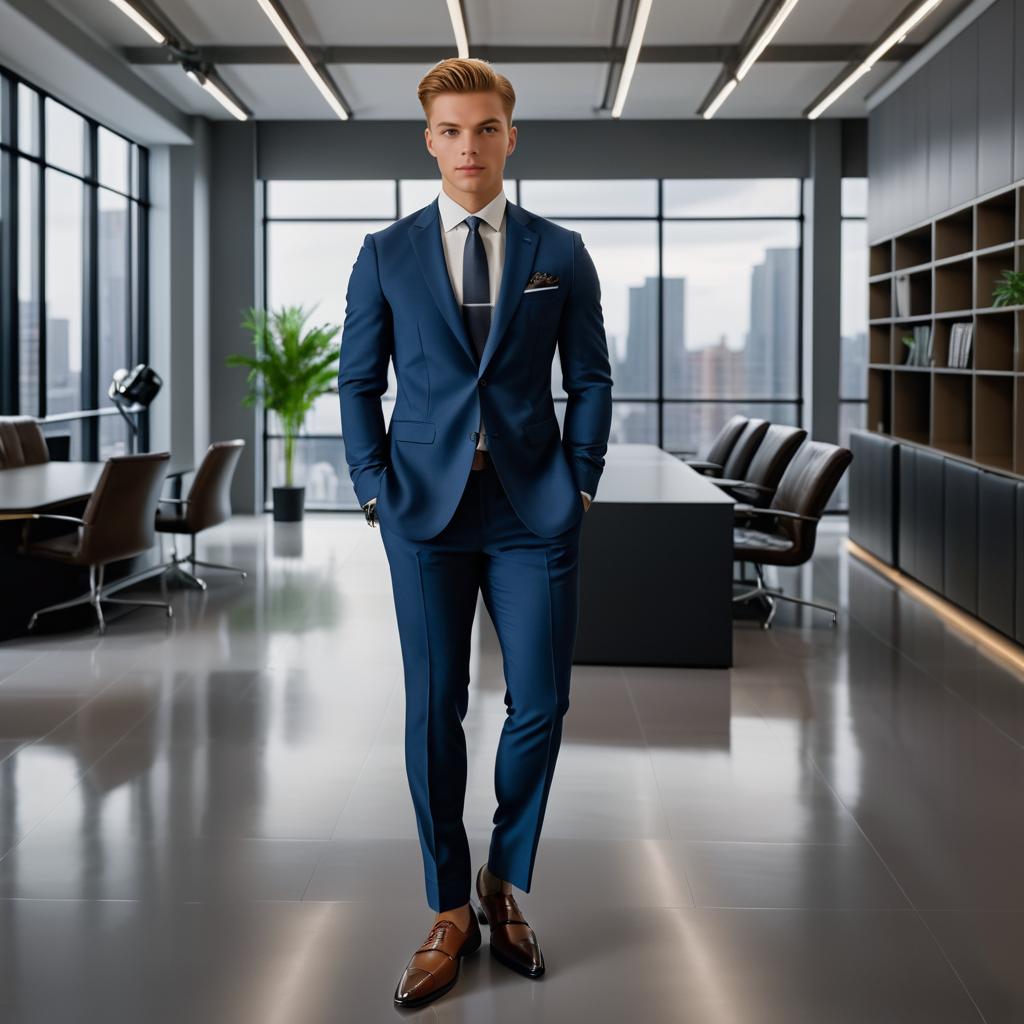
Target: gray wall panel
[(997, 551), (1018, 90), (918, 162), (939, 100), (995, 97), (964, 117), (234, 218), (603, 149), (960, 535)]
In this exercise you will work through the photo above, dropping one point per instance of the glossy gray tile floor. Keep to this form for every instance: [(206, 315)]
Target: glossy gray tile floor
[(208, 820)]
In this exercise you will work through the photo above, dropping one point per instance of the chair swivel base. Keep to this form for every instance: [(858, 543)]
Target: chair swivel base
[(771, 595), (174, 567), (97, 594)]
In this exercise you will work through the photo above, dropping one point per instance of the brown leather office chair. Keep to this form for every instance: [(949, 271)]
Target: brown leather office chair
[(21, 442), (207, 504), (720, 447), (785, 531), (117, 523), (774, 453)]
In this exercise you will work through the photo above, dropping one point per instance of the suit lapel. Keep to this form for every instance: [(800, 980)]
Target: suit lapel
[(520, 251), (426, 241)]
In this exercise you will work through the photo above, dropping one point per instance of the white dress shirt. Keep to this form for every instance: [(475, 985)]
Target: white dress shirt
[(454, 230)]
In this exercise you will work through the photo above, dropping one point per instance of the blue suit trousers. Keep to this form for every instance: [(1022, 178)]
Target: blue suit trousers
[(530, 587)]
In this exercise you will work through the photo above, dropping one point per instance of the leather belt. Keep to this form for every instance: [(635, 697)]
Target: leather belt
[(480, 458)]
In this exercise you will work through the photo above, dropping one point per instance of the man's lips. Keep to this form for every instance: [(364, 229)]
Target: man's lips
[(470, 167)]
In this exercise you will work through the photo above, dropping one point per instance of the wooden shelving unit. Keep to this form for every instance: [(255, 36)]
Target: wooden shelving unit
[(953, 262)]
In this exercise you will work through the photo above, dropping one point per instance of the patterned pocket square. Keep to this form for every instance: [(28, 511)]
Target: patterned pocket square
[(541, 280)]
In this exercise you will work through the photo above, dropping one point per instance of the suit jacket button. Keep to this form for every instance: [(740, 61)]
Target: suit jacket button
[(483, 382), (474, 436)]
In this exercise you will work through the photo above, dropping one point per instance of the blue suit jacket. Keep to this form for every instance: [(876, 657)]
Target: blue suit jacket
[(401, 306)]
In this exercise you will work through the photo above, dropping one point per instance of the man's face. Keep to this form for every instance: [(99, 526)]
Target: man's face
[(470, 138)]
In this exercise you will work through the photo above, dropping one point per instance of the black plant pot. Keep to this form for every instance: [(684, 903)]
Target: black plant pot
[(288, 504)]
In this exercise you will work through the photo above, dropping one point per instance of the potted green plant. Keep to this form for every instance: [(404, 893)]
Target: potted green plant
[(1009, 291), (291, 369)]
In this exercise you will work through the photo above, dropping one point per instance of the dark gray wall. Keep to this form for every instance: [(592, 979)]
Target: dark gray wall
[(955, 129), (234, 263), (560, 149)]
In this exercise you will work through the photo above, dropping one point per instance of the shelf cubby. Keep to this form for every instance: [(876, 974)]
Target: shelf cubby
[(878, 343), (911, 405), (913, 248), (880, 400), (993, 342), (951, 420), (953, 287), (995, 221), (940, 343), (988, 273), (880, 299), (920, 294), (954, 235), (880, 259), (900, 352), (993, 427)]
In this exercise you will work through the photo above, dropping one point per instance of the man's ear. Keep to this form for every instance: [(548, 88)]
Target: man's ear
[(429, 141)]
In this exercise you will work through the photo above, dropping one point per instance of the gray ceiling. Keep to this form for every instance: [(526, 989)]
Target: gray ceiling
[(564, 90)]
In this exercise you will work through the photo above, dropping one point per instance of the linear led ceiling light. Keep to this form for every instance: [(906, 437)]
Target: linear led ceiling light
[(205, 78), (459, 27), (317, 73), (636, 38), (141, 19), (906, 21), (728, 80)]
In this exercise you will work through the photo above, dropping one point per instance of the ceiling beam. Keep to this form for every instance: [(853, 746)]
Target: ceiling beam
[(709, 54)]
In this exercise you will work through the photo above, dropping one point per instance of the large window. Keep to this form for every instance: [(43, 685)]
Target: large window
[(72, 302), (700, 288)]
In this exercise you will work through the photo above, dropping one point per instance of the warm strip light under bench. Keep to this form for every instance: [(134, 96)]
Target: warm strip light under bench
[(991, 640)]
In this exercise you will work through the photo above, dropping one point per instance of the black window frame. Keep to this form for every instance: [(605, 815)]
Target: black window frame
[(94, 404)]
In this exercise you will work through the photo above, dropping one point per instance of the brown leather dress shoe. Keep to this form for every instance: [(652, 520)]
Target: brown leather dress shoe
[(513, 941), (434, 968)]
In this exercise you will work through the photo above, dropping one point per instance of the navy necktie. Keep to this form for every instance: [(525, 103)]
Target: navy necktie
[(476, 287)]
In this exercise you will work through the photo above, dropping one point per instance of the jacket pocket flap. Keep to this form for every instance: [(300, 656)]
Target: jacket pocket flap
[(537, 432), (413, 430)]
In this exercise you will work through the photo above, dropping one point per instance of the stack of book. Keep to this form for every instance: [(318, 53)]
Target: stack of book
[(960, 345), (920, 349)]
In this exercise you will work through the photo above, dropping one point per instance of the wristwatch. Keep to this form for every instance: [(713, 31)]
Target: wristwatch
[(370, 508)]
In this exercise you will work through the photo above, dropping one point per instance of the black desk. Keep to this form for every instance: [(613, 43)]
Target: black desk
[(656, 562)]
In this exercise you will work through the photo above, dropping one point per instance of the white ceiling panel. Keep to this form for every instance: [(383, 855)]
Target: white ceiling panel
[(546, 91), (696, 22), (860, 22), (781, 90), (668, 90), (539, 23), (185, 94)]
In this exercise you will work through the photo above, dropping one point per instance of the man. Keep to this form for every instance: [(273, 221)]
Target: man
[(475, 491)]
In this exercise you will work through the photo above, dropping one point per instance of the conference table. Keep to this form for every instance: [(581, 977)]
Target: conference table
[(64, 488), (656, 565)]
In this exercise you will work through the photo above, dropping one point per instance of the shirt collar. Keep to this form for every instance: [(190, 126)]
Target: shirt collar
[(452, 213)]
